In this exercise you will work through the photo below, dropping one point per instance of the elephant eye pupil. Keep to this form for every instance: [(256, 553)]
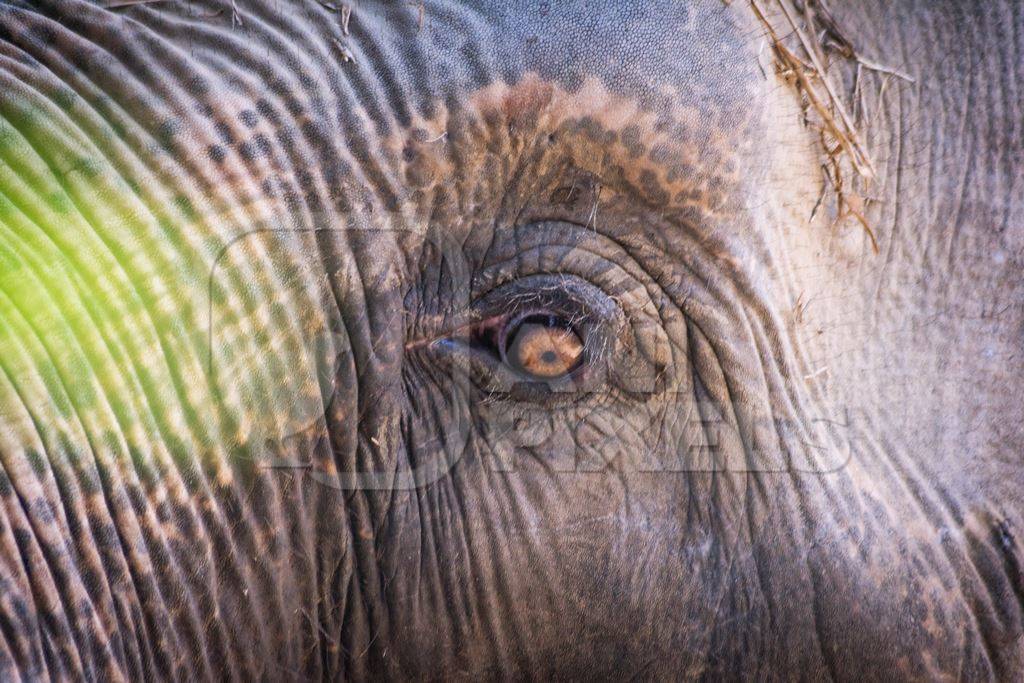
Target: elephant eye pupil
[(542, 346)]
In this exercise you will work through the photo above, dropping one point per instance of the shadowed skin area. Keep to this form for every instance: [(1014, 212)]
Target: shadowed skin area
[(243, 253)]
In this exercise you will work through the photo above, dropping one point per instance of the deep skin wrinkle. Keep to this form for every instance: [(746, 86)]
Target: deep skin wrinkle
[(243, 257)]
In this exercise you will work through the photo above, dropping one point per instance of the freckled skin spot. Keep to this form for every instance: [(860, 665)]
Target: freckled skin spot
[(248, 118), (217, 153)]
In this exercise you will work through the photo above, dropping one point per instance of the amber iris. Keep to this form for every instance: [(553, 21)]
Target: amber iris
[(541, 347)]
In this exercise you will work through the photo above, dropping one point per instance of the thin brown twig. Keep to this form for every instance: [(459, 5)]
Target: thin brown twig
[(864, 224), (834, 174), (839, 135), (821, 196), (858, 95), (859, 156), (821, 14), (881, 68)]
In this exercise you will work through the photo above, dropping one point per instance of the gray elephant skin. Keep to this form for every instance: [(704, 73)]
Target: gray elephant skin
[(666, 340)]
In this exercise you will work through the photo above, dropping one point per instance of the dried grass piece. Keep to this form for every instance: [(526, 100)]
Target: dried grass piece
[(344, 9), (846, 133), (346, 16), (817, 33), (346, 54)]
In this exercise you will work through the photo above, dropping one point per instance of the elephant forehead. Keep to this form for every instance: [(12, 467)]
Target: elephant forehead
[(635, 48), (378, 108), (671, 94)]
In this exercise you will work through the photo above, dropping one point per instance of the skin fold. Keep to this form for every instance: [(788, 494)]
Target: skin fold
[(251, 257)]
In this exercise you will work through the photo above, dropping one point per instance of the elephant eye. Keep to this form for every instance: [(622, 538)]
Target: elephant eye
[(541, 346), (543, 339)]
